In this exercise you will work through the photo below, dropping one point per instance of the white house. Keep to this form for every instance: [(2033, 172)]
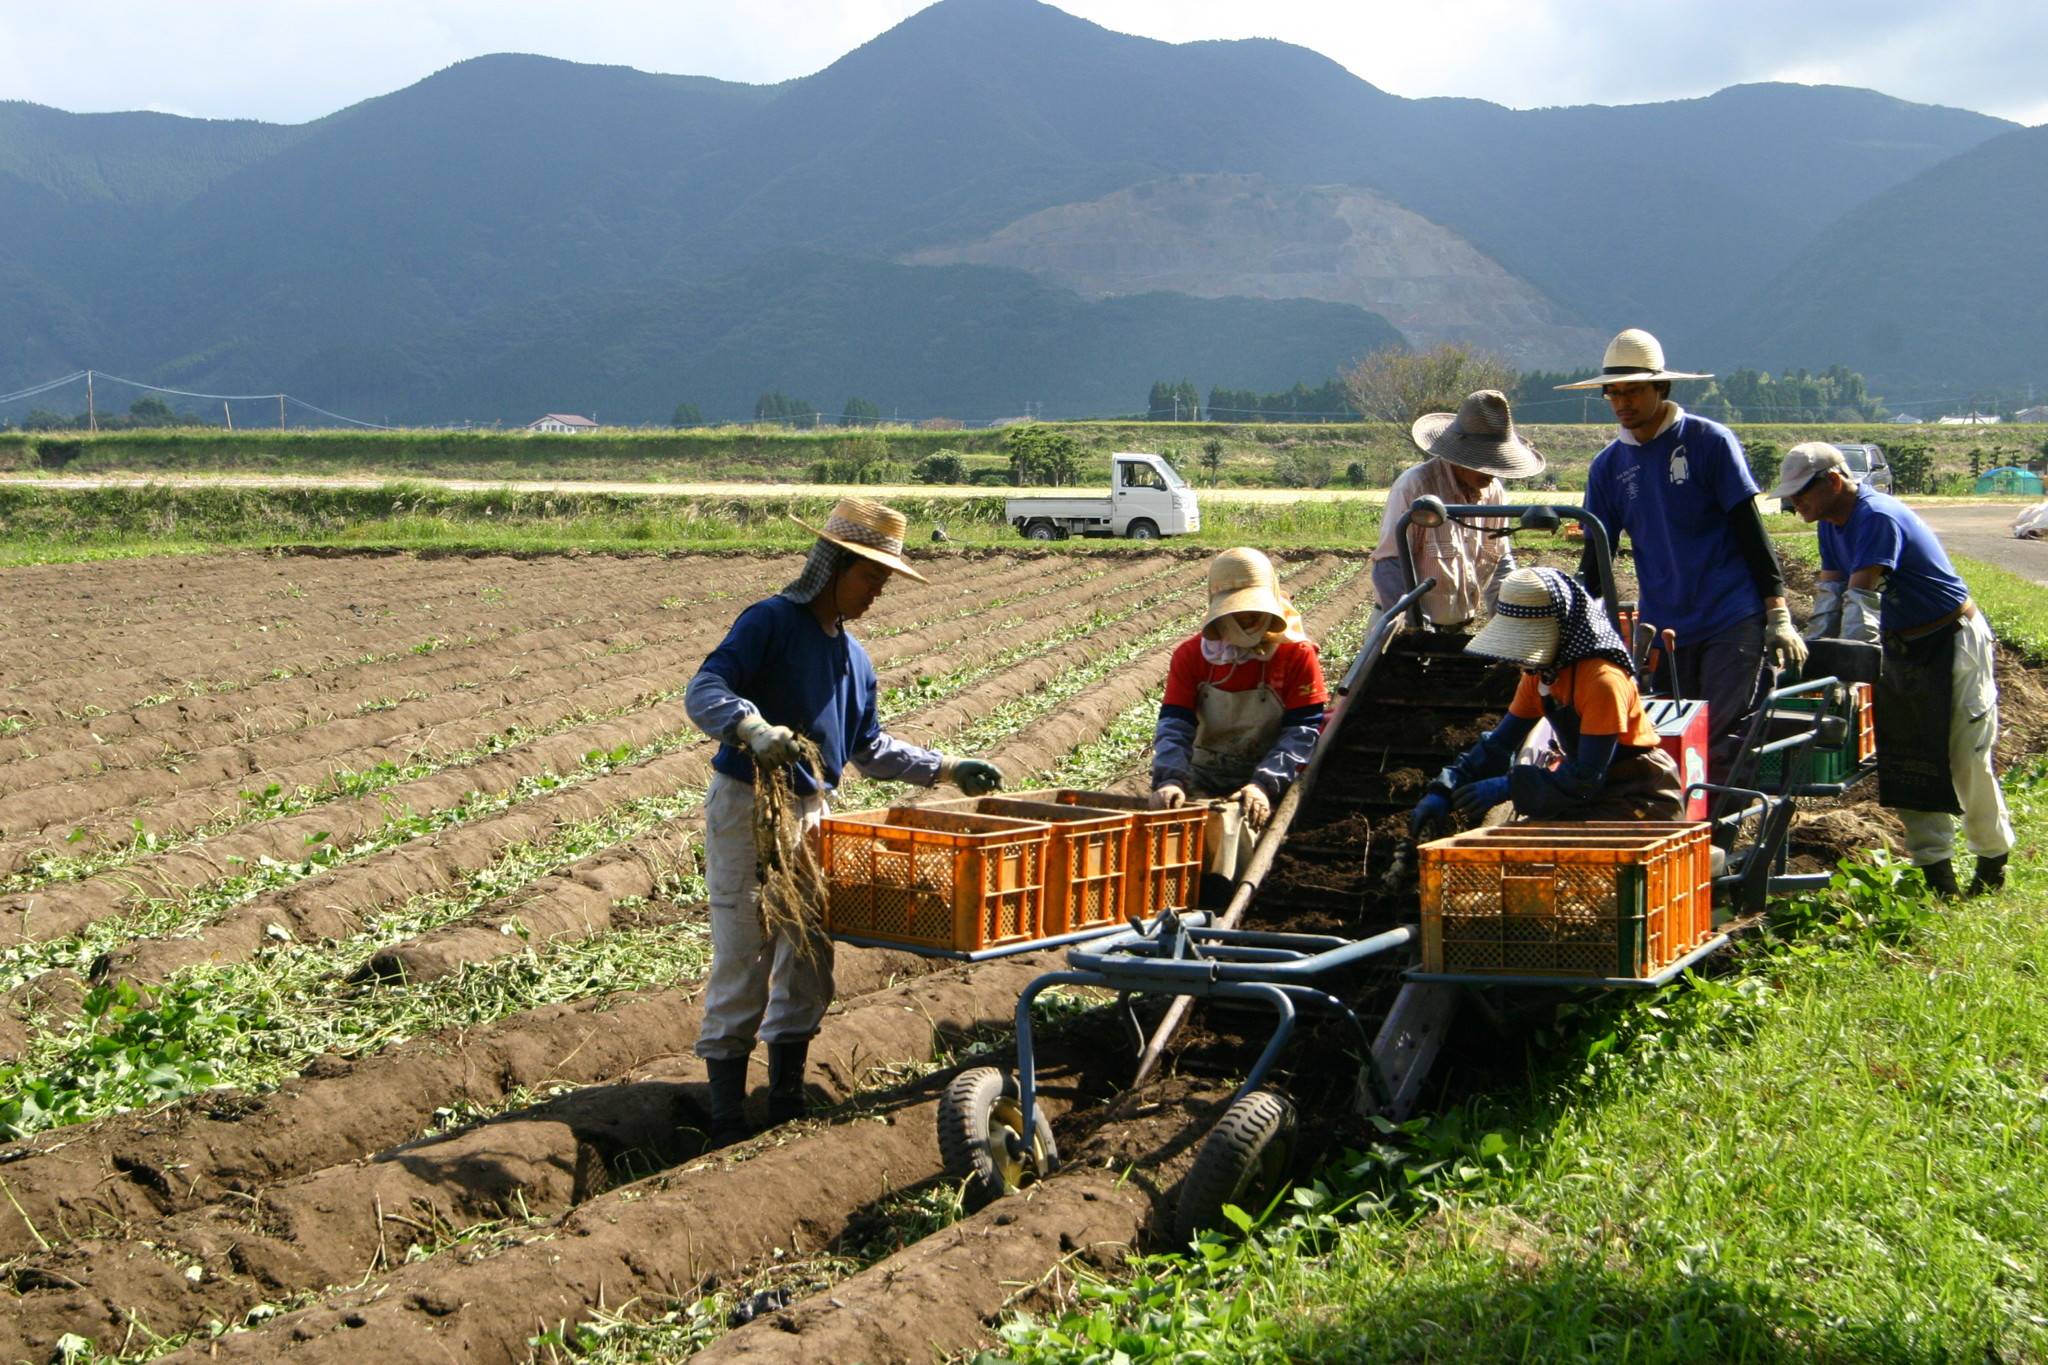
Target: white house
[(2039, 414), (563, 422), (1968, 419)]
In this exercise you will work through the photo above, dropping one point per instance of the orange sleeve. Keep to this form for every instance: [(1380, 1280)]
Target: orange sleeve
[(1528, 702)]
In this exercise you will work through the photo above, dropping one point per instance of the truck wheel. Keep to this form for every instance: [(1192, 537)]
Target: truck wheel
[(1142, 529), (1041, 530), (1244, 1161)]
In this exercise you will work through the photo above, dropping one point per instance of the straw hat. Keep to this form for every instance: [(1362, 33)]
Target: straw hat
[(1244, 580), (1633, 357), (1524, 626), (1479, 436), (870, 530)]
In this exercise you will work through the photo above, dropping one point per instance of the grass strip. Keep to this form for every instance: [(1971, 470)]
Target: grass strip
[(2013, 603)]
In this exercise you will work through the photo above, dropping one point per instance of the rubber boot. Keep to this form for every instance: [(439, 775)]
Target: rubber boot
[(1941, 878), (728, 1101), (1990, 875), (786, 1080)]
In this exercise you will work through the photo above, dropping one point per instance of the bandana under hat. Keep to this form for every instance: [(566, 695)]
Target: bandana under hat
[(824, 560), (1582, 632)]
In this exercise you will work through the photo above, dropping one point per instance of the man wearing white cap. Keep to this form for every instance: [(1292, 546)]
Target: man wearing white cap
[(1577, 675), (1885, 579), (788, 667), (1243, 706), (1679, 487), (1471, 451)]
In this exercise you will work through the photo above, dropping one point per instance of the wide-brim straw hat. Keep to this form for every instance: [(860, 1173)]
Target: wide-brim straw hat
[(870, 530), (1525, 624), (1479, 436), (1633, 357), (1244, 580)]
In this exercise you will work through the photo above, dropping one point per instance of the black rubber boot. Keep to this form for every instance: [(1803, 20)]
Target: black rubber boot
[(728, 1101), (786, 1080), (1941, 878), (1990, 875)]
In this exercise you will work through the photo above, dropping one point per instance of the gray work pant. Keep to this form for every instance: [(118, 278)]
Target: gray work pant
[(1972, 749), (1727, 670), (778, 991)]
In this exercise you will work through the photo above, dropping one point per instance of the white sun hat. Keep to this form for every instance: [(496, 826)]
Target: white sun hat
[(1633, 357), (1804, 463), (1524, 627)]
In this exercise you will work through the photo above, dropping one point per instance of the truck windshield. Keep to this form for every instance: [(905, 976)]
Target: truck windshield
[(1173, 478)]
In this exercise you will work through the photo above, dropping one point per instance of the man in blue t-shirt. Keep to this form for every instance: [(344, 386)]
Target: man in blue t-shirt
[(1884, 578), (788, 668), (1680, 489)]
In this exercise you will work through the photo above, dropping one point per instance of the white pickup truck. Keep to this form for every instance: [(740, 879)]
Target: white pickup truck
[(1147, 499)]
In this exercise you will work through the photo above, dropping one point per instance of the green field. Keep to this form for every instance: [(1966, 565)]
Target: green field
[(1252, 455)]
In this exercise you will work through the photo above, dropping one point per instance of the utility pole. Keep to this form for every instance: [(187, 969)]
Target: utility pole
[(226, 415), (92, 417), (280, 412)]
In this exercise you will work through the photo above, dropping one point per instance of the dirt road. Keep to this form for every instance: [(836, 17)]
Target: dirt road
[(1983, 530)]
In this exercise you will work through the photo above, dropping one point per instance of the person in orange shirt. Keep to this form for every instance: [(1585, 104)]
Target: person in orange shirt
[(1576, 674)]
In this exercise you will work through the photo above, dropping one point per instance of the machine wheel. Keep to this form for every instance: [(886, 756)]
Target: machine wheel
[(1244, 1161), (981, 1142), (1141, 529), (1041, 530)]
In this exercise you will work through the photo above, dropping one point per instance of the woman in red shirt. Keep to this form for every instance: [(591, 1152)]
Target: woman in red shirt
[(1577, 675), (1243, 706)]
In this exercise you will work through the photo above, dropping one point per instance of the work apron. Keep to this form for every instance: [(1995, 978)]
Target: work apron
[(1233, 731), (1641, 784), (1914, 692)]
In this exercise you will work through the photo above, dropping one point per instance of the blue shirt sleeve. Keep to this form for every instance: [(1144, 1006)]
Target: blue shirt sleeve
[(1726, 470), (876, 752), (1877, 541), (1600, 501)]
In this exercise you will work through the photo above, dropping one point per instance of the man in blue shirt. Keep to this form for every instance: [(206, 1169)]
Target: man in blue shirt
[(1680, 489), (1885, 579), (788, 667)]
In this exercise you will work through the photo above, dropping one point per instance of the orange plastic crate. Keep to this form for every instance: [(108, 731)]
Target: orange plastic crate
[(1620, 899), (1866, 720), (1090, 852), (934, 878), (1166, 849)]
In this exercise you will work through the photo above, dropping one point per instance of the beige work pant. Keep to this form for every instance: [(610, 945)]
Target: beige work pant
[(1972, 747), (757, 989)]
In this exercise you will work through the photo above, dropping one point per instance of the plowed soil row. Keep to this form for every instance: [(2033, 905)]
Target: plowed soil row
[(100, 812), (334, 1226), (239, 656), (319, 908), (303, 700)]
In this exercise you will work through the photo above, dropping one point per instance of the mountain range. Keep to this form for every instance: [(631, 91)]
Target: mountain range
[(992, 203)]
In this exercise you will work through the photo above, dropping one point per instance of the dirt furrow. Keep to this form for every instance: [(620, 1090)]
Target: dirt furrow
[(301, 701), (333, 1226), (96, 1179)]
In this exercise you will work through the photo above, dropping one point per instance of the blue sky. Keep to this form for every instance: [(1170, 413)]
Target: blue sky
[(291, 60)]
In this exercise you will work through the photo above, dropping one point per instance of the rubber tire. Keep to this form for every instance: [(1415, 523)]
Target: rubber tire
[(1142, 529), (1245, 1160), (978, 1111), (1041, 531)]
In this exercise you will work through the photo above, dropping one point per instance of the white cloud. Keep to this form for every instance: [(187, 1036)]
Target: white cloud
[(290, 60)]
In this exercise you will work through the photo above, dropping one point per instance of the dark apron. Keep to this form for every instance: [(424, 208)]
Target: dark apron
[(1913, 696), (1642, 784)]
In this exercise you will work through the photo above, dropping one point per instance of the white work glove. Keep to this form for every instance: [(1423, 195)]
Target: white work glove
[(1827, 610), (1781, 640), (1256, 806), (1168, 797), (771, 745), (1859, 615)]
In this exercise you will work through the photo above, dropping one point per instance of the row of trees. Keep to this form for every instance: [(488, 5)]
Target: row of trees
[(146, 413)]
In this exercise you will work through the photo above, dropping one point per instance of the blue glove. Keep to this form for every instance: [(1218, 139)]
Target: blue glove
[(1430, 811), (1474, 799)]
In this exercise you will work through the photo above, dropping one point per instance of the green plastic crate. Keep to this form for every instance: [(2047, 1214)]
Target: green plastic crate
[(1821, 763)]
